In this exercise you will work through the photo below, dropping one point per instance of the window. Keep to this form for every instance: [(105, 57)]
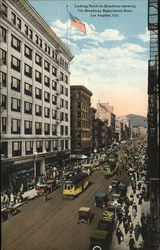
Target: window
[(66, 104), (46, 96), (48, 146), (79, 124), (15, 43), (26, 30), (15, 126), (4, 9), (54, 114), (36, 39), (49, 50), (28, 70), (38, 128), (61, 103), (38, 76), (2, 56), (29, 147), (15, 63), (54, 71), (62, 144), (28, 52), (46, 112), (38, 59), (3, 78), (13, 18), (47, 66), (45, 47), (66, 130), (47, 128), (38, 93), (62, 130), (27, 107), (19, 23), (78, 105), (30, 34), (54, 85), (61, 116), (28, 89), (39, 146), (54, 129), (3, 33), (4, 124), (15, 104), (54, 99), (28, 127), (66, 91), (78, 114), (78, 94), (66, 144), (4, 149), (66, 117), (16, 148), (61, 76), (55, 145), (47, 81), (53, 54), (66, 79), (15, 84), (61, 89), (40, 42), (38, 110)]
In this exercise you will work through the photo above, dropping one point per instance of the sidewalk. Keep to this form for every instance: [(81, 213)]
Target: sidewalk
[(144, 208)]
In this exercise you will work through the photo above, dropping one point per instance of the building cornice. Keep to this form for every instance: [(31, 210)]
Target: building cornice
[(81, 87), (31, 14)]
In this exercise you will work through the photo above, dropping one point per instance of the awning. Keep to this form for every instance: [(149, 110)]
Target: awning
[(79, 157)]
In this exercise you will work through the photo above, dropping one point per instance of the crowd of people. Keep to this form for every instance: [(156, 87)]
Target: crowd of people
[(131, 224)]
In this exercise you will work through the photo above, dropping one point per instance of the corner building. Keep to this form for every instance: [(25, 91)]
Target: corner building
[(81, 120), (35, 89)]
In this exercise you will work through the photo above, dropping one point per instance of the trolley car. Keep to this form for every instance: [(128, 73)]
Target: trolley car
[(109, 169), (75, 185)]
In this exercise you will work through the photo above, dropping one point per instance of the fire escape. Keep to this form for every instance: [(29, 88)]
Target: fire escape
[(153, 121)]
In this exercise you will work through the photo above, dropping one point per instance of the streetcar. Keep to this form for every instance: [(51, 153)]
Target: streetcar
[(113, 157), (109, 169), (75, 185)]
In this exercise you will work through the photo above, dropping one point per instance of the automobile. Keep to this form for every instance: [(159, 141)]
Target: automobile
[(41, 189), (116, 197), (100, 240), (85, 215), (121, 189), (101, 200), (115, 183), (108, 216), (51, 184)]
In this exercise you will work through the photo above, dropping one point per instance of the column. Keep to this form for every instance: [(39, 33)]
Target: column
[(42, 166)]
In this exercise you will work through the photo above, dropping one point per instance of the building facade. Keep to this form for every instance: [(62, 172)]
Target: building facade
[(126, 126), (119, 130), (80, 120), (105, 112), (35, 88), (153, 122), (93, 119), (101, 134)]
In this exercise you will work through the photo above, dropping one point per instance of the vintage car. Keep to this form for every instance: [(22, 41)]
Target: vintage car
[(41, 189), (108, 216), (100, 240), (51, 185), (101, 200), (116, 197), (122, 189), (115, 183), (85, 215)]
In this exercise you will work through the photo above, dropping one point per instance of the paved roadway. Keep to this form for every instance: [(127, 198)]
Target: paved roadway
[(53, 224)]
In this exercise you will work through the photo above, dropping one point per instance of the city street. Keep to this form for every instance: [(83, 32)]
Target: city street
[(53, 224)]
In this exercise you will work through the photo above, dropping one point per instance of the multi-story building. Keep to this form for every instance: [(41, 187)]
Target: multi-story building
[(101, 134), (153, 122), (119, 130), (35, 88), (80, 119), (126, 126), (93, 119), (105, 112)]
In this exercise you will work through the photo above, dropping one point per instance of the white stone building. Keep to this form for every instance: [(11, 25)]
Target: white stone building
[(35, 88)]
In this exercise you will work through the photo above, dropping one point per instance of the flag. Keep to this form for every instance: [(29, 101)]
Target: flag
[(77, 23), (103, 107)]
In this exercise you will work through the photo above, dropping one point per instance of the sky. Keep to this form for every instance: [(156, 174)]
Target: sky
[(111, 59)]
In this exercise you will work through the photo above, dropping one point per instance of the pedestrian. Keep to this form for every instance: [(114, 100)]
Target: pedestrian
[(137, 230), (119, 235), (134, 212), (126, 228), (131, 244), (143, 218), (130, 228), (140, 199)]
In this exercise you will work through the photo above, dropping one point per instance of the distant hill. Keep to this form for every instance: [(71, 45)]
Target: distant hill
[(137, 120)]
